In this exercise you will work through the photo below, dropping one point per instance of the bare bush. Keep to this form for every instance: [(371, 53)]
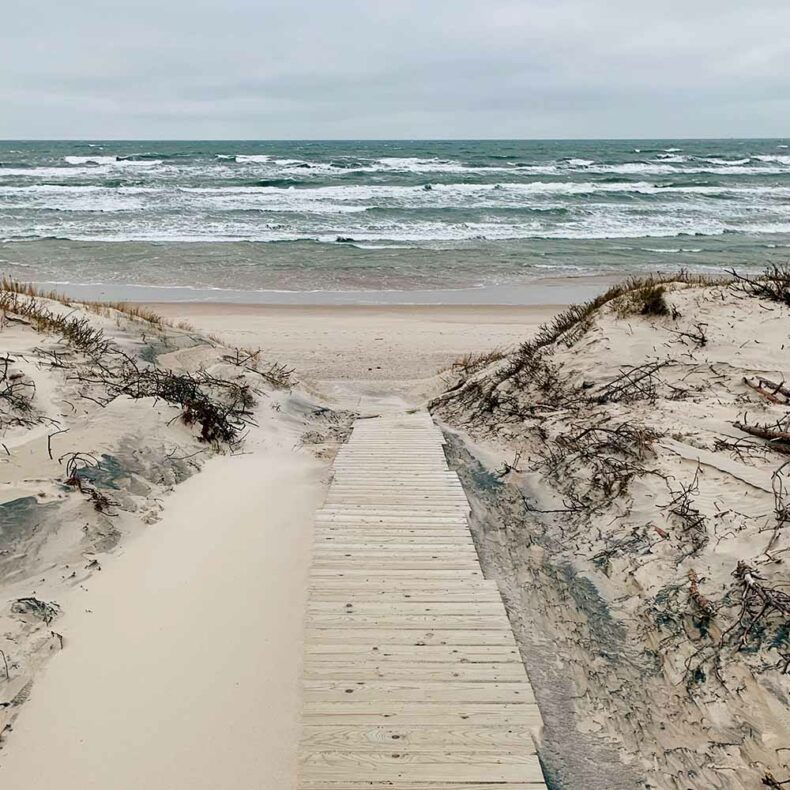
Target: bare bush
[(772, 285), (277, 375), (692, 523)]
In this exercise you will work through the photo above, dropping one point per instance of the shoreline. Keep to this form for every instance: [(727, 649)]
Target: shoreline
[(535, 293)]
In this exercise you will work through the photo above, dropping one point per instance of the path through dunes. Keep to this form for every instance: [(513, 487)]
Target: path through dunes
[(412, 677)]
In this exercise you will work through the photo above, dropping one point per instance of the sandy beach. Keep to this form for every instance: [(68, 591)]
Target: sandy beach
[(394, 396), (353, 352), (624, 464)]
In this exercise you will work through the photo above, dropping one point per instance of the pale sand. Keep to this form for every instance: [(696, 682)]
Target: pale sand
[(182, 662), (350, 351), (182, 656)]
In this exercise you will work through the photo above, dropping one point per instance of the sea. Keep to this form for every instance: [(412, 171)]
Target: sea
[(487, 220)]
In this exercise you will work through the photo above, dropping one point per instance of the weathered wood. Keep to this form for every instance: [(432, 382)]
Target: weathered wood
[(416, 653), (424, 766), (409, 621), (404, 785), (412, 677), (402, 636), (410, 670), (420, 714), (427, 739), (406, 606)]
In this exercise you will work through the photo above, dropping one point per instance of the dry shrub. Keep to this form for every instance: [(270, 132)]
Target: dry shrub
[(773, 284)]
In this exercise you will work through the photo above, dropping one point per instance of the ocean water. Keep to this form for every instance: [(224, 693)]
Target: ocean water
[(260, 217)]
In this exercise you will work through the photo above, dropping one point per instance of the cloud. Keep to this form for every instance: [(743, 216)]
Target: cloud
[(354, 68)]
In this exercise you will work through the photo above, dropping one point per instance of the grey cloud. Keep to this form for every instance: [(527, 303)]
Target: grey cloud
[(352, 68)]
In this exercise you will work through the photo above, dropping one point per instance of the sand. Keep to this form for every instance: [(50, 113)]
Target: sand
[(621, 566), (181, 656), (182, 660), (180, 602), (352, 352)]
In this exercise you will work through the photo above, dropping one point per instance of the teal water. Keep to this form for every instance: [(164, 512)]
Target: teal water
[(400, 215)]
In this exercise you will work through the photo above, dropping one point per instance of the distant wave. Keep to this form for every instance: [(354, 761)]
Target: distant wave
[(90, 160), (272, 168), (115, 161), (421, 233)]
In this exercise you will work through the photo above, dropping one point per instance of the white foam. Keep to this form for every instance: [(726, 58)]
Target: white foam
[(782, 160), (90, 160), (727, 162), (672, 250), (111, 161), (251, 157)]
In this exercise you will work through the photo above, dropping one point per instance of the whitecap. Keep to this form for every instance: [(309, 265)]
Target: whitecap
[(672, 250), (252, 158), (782, 160), (714, 160), (91, 160)]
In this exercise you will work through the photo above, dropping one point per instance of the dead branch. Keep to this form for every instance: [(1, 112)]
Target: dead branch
[(698, 335), (773, 284), (777, 435), (692, 522), (634, 383), (49, 440), (702, 603), (758, 602), (776, 393)]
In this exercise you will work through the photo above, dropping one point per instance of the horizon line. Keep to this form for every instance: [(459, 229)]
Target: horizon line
[(364, 139)]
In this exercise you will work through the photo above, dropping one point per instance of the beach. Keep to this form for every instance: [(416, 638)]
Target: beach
[(205, 325), (353, 352), (165, 462), (202, 612)]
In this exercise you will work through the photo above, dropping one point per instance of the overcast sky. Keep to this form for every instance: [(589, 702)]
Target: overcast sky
[(261, 69)]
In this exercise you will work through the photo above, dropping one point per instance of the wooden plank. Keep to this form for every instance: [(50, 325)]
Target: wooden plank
[(382, 637), (489, 738), (371, 551), (342, 537), (407, 785), (387, 692), (423, 653), (420, 714), (430, 565), (371, 595), (416, 585), (424, 766), (447, 622), (387, 554), (410, 670), (406, 606), (416, 515), (396, 573)]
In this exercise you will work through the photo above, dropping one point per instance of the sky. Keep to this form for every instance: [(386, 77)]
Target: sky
[(353, 69)]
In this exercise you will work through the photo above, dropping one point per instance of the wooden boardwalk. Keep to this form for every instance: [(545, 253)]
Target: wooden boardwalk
[(412, 678)]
